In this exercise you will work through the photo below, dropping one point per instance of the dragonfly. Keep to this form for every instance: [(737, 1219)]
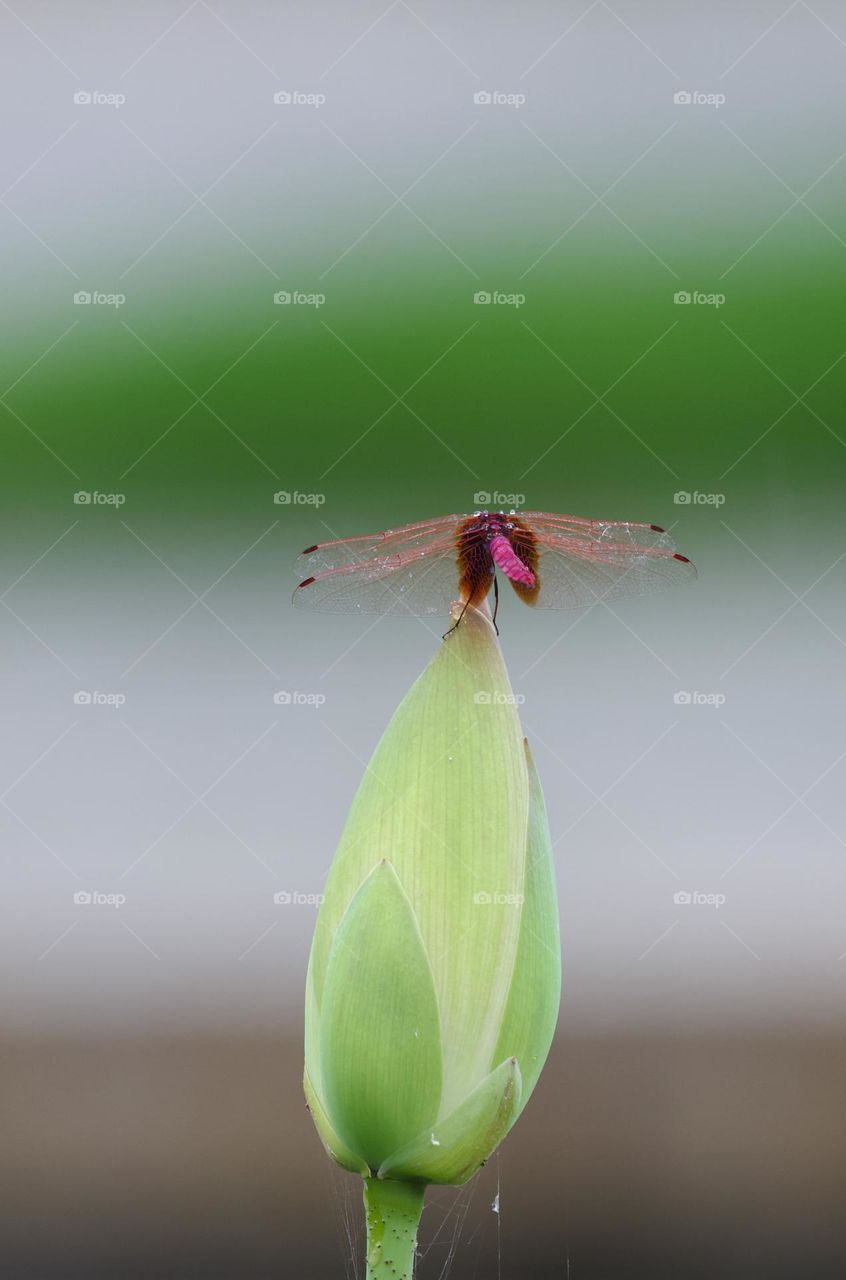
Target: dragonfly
[(551, 561)]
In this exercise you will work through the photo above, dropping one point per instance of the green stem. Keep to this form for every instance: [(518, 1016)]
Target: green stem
[(393, 1215)]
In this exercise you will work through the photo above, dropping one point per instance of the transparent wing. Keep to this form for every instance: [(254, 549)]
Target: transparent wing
[(625, 532), (416, 581), (588, 561), (419, 537)]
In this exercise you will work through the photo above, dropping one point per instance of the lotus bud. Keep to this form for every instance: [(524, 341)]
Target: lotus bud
[(434, 979)]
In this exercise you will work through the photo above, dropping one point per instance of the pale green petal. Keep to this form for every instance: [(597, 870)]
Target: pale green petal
[(455, 1148), (312, 1029), (339, 1153), (380, 1044), (445, 797), (533, 1000)]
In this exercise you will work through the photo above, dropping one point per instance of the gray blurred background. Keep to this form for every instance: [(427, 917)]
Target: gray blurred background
[(663, 191)]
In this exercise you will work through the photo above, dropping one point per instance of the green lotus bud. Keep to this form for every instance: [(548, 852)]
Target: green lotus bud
[(434, 978)]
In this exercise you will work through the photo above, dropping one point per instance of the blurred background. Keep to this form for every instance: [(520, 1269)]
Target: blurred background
[(279, 273)]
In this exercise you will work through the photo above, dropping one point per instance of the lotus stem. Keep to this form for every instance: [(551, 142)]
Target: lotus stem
[(393, 1215)]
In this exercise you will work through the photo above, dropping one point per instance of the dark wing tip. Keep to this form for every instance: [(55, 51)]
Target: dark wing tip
[(656, 528), (309, 550), (306, 581), (683, 559)]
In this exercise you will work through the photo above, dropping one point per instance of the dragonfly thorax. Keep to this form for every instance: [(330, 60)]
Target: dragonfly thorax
[(492, 524)]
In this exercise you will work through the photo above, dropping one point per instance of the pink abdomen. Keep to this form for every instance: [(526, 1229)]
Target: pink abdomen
[(505, 559)]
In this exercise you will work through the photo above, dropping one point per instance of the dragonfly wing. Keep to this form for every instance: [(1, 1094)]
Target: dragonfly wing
[(420, 536), (413, 582), (607, 531), (605, 560)]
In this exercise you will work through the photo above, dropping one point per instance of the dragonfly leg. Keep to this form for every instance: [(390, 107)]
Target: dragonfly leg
[(496, 603), (458, 619)]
